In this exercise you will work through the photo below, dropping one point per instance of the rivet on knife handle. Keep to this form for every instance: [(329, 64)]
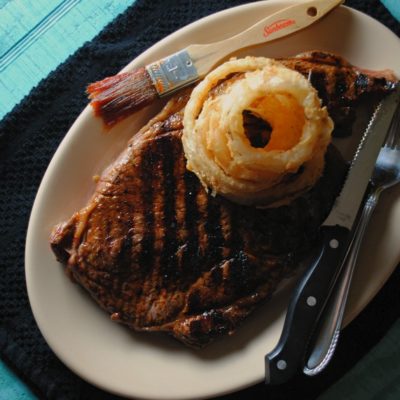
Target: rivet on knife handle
[(306, 304)]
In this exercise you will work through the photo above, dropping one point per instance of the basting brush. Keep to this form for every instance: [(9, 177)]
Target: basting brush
[(119, 96)]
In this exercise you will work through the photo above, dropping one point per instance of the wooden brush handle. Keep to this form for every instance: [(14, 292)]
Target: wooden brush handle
[(281, 23)]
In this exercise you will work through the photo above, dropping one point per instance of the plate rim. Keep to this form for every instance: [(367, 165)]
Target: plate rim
[(85, 115)]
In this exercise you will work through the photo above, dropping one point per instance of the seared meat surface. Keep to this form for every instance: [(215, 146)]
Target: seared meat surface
[(160, 254)]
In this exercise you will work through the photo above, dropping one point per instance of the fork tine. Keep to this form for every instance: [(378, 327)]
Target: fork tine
[(396, 130), (393, 137)]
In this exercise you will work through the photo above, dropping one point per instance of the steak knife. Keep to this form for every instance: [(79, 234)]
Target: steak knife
[(311, 293)]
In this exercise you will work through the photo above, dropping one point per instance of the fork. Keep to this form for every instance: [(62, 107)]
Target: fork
[(385, 175)]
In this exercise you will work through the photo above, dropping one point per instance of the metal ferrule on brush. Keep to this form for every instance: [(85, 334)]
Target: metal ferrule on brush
[(172, 73)]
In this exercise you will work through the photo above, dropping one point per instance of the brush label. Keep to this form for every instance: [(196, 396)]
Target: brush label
[(277, 26), (173, 72)]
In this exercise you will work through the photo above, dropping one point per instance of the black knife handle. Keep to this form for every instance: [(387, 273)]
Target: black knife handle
[(305, 306)]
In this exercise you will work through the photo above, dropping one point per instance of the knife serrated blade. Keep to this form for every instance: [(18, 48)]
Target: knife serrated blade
[(348, 202), (309, 297)]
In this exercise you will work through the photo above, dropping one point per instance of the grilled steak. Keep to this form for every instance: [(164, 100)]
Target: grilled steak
[(340, 85), (160, 254)]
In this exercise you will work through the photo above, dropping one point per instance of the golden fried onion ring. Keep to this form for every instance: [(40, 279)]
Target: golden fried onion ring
[(221, 155)]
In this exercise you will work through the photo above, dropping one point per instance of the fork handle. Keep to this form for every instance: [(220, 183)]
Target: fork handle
[(328, 335)]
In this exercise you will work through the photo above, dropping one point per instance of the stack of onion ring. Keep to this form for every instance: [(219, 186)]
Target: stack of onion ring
[(218, 149)]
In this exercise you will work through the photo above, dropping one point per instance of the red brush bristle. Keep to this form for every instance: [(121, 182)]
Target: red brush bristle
[(116, 97)]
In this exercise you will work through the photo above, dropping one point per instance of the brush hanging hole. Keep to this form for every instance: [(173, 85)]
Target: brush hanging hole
[(312, 11)]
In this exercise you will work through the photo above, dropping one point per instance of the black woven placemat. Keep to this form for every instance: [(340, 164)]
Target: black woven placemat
[(29, 136)]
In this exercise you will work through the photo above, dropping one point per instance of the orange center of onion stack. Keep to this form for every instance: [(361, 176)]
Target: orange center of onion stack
[(261, 137)]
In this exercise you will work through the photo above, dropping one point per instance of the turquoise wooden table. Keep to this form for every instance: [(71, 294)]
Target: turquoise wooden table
[(35, 37)]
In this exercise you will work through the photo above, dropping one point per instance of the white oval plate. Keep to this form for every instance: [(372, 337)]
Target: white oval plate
[(153, 366)]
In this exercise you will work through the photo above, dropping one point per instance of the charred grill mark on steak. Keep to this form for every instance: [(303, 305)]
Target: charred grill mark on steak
[(153, 284), (200, 252), (182, 233), (124, 257), (213, 229), (226, 231), (145, 188), (340, 85), (168, 258), (191, 254), (318, 79), (234, 241), (361, 83)]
